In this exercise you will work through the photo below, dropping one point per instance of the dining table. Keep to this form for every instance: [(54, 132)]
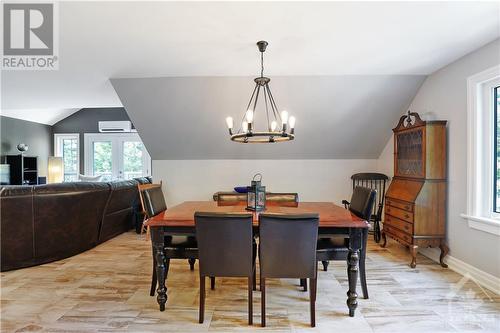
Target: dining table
[(334, 221)]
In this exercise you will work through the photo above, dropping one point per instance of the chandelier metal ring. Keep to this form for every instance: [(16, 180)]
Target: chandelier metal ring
[(262, 137)]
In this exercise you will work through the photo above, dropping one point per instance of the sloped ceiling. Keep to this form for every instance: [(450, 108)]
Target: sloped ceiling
[(42, 116), (99, 40), (346, 69), (338, 117)]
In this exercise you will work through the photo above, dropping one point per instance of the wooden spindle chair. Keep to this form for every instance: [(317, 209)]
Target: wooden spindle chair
[(141, 188), (377, 182)]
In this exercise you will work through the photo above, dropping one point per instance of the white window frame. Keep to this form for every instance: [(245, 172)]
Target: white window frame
[(480, 157), (58, 137), (115, 138)]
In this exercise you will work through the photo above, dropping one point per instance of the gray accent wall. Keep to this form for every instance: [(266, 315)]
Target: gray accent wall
[(338, 117), (37, 136), (86, 121)]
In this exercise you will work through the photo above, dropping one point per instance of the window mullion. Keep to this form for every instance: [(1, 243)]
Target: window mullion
[(495, 154)]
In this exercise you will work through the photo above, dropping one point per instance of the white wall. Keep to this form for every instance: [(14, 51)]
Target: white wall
[(314, 180), (443, 95), (385, 162)]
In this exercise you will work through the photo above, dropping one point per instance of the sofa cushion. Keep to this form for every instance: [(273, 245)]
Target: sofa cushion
[(67, 217), (16, 215), (84, 178), (119, 212)]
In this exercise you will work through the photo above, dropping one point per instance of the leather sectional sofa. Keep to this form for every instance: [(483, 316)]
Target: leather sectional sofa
[(44, 223)]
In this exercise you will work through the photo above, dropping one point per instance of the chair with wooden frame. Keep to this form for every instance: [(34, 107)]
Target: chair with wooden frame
[(377, 182), (337, 248), (152, 204), (140, 189)]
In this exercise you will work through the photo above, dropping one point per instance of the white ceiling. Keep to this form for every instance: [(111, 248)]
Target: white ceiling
[(42, 116), (103, 40)]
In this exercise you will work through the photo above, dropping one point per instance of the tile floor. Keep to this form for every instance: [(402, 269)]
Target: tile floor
[(106, 289)]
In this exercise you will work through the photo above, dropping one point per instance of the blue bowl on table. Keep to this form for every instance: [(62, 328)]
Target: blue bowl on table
[(241, 189)]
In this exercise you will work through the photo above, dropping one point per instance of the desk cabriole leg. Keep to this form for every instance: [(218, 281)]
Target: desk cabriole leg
[(444, 251)]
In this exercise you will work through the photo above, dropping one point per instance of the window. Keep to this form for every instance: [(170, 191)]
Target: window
[(116, 156), (132, 159), (483, 151), (496, 150), (102, 159), (67, 146)]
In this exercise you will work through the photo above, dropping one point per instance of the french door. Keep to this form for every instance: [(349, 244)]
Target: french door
[(116, 156)]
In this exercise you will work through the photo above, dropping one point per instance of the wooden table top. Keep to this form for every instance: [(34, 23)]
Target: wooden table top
[(330, 215)]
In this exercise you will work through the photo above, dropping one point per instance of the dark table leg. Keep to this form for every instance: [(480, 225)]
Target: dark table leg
[(158, 239), (355, 241), (362, 260)]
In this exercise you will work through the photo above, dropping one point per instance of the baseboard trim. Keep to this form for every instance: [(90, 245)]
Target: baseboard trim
[(486, 280)]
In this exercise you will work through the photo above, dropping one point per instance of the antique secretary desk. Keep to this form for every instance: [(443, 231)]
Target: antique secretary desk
[(415, 209)]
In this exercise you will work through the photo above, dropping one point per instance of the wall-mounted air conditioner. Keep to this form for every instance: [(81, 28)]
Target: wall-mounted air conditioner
[(115, 127)]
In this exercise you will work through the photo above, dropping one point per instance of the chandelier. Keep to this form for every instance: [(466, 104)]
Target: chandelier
[(246, 132)]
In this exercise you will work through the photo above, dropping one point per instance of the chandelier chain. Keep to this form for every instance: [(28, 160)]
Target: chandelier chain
[(262, 64)]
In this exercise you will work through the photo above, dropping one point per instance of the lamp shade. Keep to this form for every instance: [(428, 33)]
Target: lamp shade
[(55, 170)]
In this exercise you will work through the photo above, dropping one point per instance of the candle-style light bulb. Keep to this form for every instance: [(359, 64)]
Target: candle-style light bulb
[(284, 120), (249, 116), (291, 121), (229, 122), (284, 117), (244, 127), (274, 124)]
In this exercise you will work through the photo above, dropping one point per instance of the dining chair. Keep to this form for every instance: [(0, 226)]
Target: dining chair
[(226, 249), (177, 247), (377, 182), (287, 249), (337, 248), (140, 189)]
